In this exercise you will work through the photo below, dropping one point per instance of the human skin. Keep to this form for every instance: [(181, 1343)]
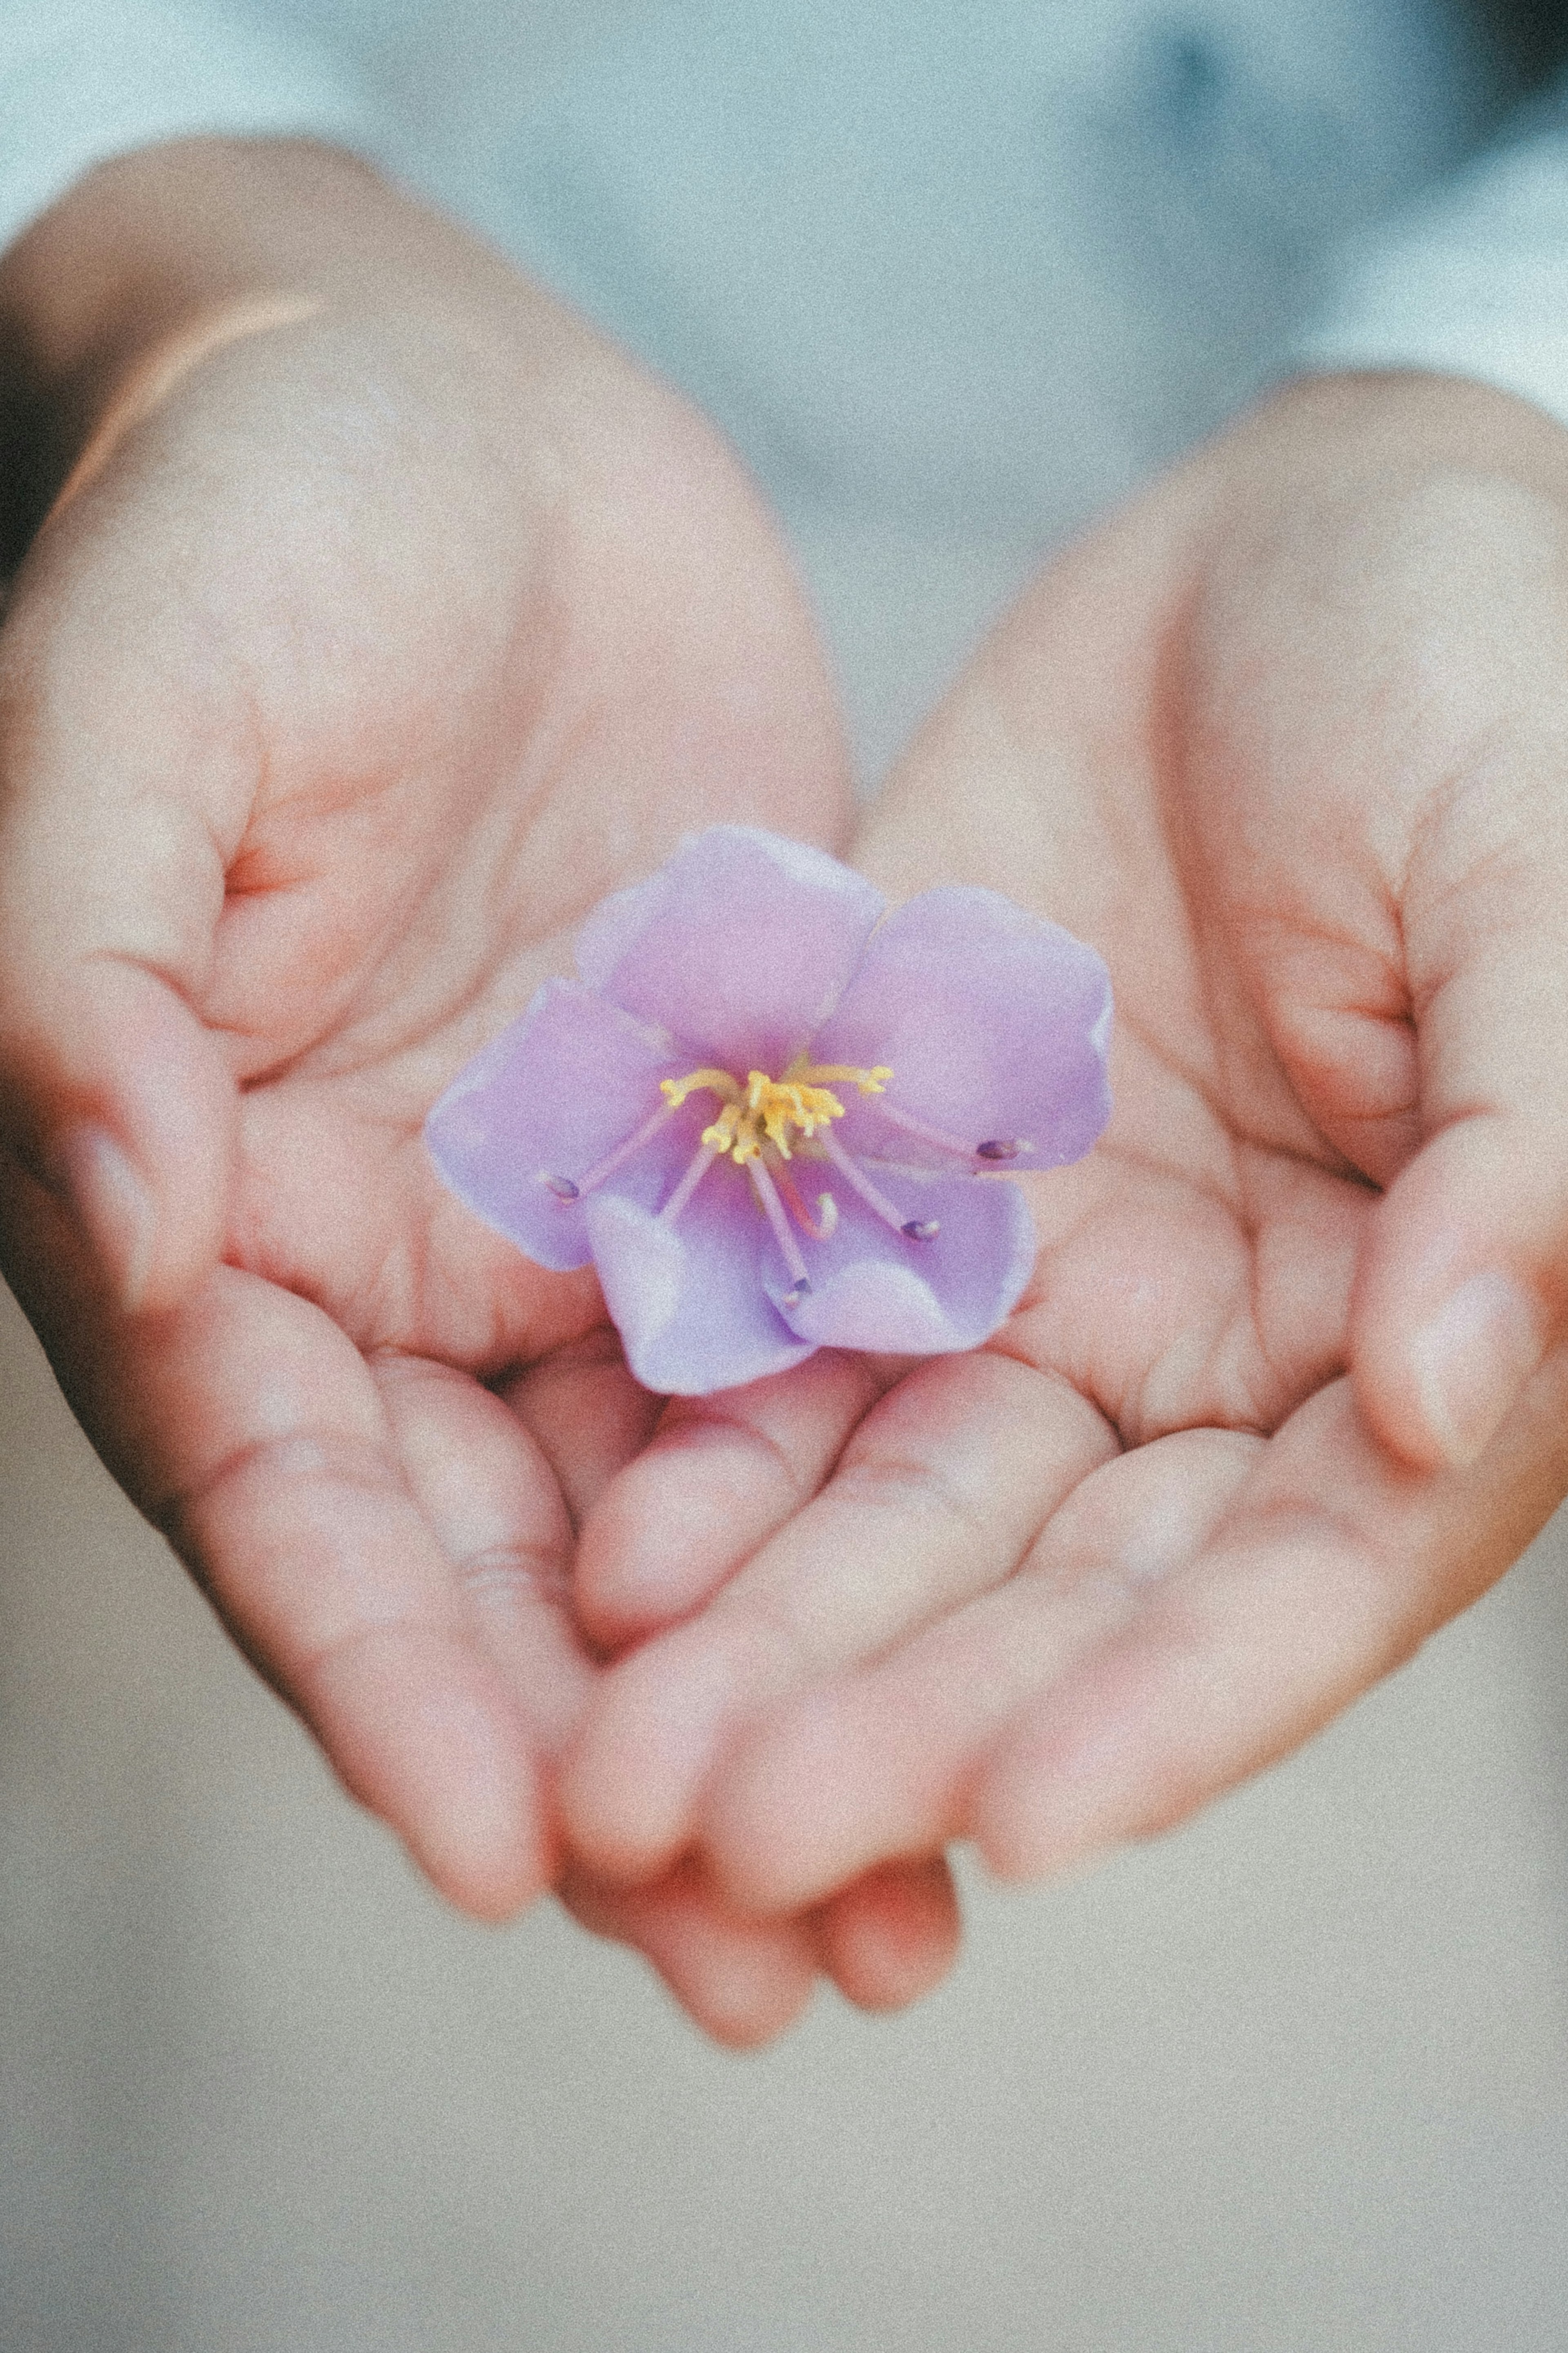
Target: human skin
[(1286, 740), (1283, 739), (386, 617)]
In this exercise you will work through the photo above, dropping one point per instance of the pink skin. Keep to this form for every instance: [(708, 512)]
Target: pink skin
[(1289, 1388), (327, 698), (1284, 740)]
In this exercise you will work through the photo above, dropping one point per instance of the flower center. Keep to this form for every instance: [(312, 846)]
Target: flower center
[(762, 1111), (766, 1109)]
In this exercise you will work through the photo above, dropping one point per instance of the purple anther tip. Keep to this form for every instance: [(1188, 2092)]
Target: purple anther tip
[(562, 1188), (997, 1148), (801, 1291), (922, 1230)]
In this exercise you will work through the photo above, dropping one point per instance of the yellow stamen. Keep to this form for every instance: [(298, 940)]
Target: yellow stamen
[(718, 1083), (766, 1109), (722, 1135), (871, 1083)]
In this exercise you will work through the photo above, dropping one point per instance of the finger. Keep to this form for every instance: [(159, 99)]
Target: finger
[(893, 1936), (1378, 737), (1463, 1285), (721, 1474), (274, 1472), (878, 1762), (744, 1981), (488, 1493), (1330, 1568), (493, 1505), (121, 784), (587, 1413), (249, 1428), (936, 1497)]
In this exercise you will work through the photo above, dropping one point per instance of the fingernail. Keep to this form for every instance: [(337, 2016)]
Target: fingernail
[(113, 1207), (1471, 1361)]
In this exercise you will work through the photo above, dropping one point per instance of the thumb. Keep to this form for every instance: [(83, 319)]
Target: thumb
[(1462, 1285), (113, 1092)]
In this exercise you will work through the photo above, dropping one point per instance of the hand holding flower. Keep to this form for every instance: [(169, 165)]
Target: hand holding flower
[(1285, 1388), (385, 638)]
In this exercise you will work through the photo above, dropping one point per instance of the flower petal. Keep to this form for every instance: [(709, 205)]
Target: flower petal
[(571, 1079), (740, 944), (688, 1299), (873, 1288), (994, 1022)]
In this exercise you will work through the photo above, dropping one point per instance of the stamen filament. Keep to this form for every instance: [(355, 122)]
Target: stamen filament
[(826, 1207), (994, 1147), (768, 1194), (759, 1116), (917, 1230), (697, 1168), (927, 1133), (610, 1163), (828, 1074)]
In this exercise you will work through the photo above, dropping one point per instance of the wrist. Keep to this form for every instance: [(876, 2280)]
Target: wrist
[(142, 245), (154, 260)]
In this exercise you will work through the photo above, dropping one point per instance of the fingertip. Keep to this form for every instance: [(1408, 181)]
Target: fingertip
[(113, 1209), (743, 1982), (637, 1567), (894, 1935), (824, 1789), (799, 1811), (1450, 1314), (1029, 1825), (481, 1844), (485, 1849), (631, 1780), (750, 1997), (1152, 1729), (1083, 1773), (721, 1476), (677, 1525), (1463, 1369), (137, 1140), (446, 1764)]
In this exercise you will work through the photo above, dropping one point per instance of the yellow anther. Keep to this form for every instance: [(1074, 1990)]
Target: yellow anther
[(718, 1083), (769, 1109), (720, 1137)]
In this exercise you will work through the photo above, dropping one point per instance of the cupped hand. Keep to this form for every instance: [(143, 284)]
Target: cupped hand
[(387, 620), (1286, 742)]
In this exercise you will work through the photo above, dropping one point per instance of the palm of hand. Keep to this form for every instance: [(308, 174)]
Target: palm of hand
[(1061, 1592), (399, 751), (1050, 1594)]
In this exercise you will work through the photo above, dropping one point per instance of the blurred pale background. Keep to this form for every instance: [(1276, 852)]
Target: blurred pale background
[(1294, 2080)]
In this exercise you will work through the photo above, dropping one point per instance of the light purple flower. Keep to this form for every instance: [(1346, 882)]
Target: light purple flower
[(774, 1116)]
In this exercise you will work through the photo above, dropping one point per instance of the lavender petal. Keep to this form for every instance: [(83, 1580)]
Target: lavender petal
[(995, 1024), (872, 1288), (569, 1079), (740, 944), (688, 1299)]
